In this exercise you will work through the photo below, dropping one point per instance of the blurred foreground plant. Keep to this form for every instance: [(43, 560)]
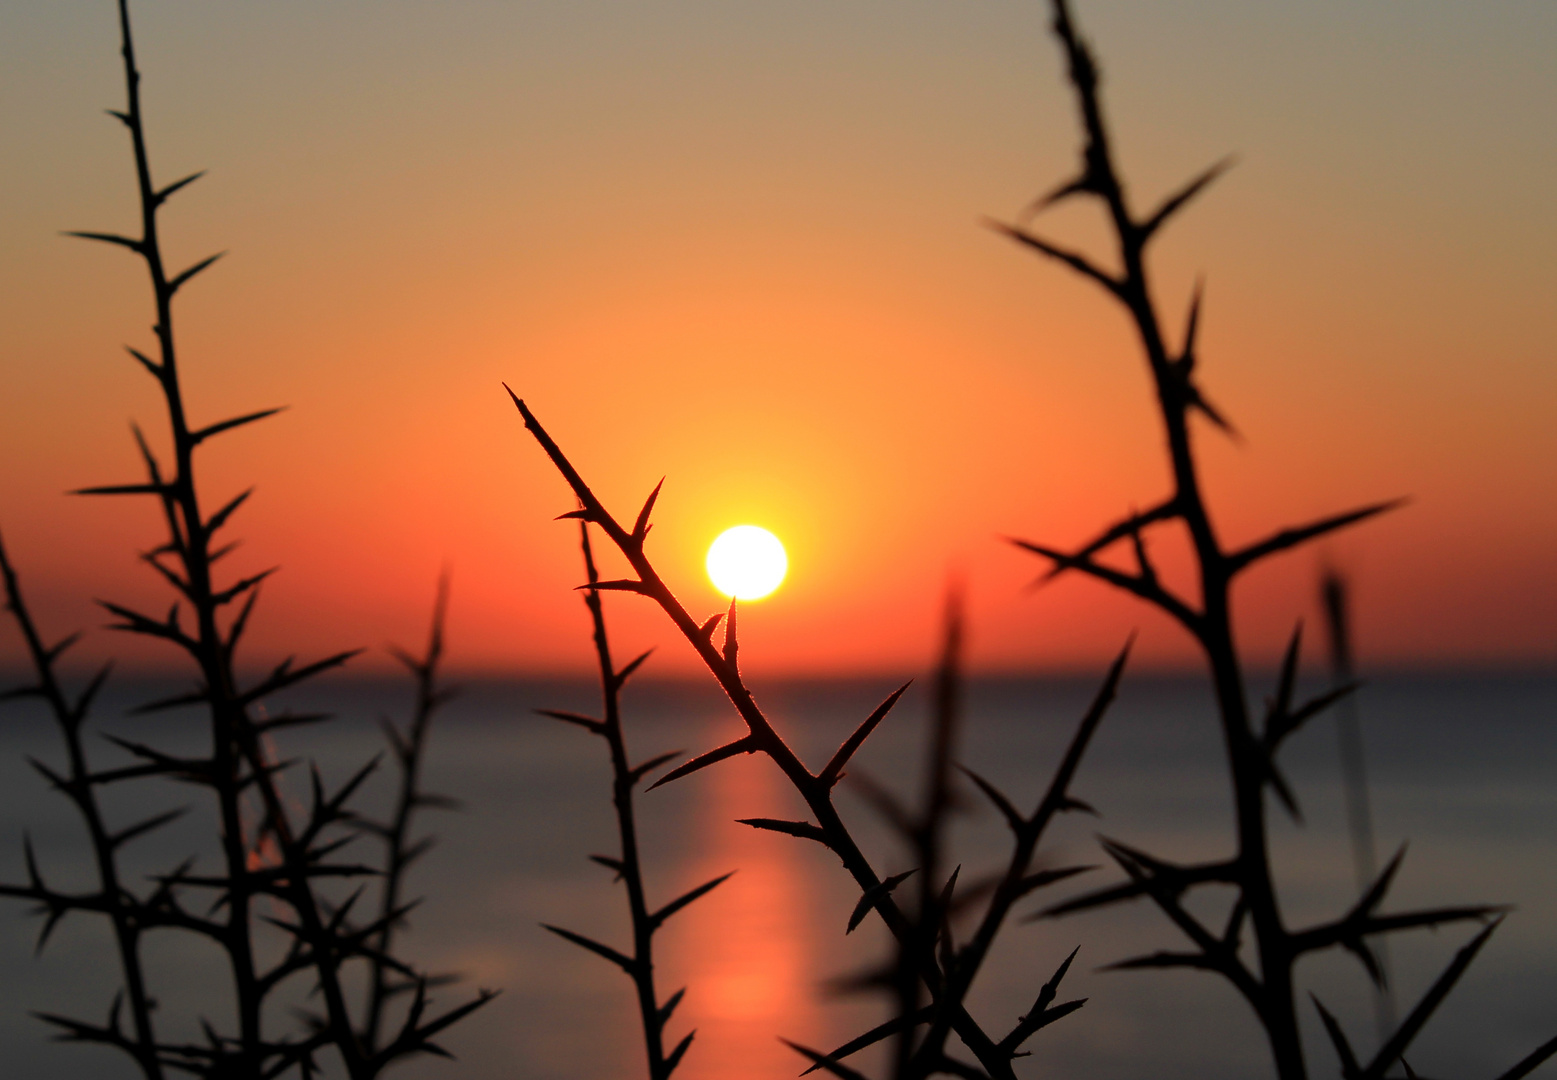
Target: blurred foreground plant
[(1254, 925), (274, 908)]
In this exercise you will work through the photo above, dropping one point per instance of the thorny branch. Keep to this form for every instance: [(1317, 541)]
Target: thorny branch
[(388, 978), (945, 973), (1267, 982), (80, 786), (273, 858), (628, 866)]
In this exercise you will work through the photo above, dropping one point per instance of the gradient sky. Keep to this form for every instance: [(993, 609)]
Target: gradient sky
[(737, 244)]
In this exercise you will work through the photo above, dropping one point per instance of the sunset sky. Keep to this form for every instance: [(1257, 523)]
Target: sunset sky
[(737, 245)]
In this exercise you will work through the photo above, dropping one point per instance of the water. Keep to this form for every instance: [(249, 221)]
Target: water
[(1463, 767)]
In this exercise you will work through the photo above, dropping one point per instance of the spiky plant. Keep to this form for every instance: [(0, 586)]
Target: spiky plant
[(653, 1013), (946, 971), (278, 870), (1255, 950)]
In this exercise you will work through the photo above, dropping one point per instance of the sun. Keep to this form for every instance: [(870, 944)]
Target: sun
[(746, 562)]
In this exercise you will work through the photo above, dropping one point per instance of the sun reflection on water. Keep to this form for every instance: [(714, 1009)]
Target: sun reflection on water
[(747, 958)]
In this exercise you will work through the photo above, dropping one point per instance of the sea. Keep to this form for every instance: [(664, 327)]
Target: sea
[(1461, 769)]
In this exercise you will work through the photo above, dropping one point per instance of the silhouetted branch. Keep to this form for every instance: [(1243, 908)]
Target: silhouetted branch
[(1251, 755), (400, 851), (1144, 585), (926, 965), (266, 856), (80, 786), (628, 866), (1290, 538)]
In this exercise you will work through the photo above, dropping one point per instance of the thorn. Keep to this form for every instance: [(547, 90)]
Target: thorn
[(641, 526), (621, 677), (834, 770), (1187, 357), (730, 644), (744, 745)]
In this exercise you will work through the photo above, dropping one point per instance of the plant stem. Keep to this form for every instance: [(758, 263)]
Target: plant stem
[(409, 752), (234, 739), (622, 784), (78, 787), (815, 789)]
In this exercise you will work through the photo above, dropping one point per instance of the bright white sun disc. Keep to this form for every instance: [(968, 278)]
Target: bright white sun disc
[(746, 562)]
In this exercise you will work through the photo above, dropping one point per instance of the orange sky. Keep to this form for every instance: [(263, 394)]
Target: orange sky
[(736, 245)]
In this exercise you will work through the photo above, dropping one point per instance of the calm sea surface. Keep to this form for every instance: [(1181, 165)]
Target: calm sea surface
[(1465, 768)]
